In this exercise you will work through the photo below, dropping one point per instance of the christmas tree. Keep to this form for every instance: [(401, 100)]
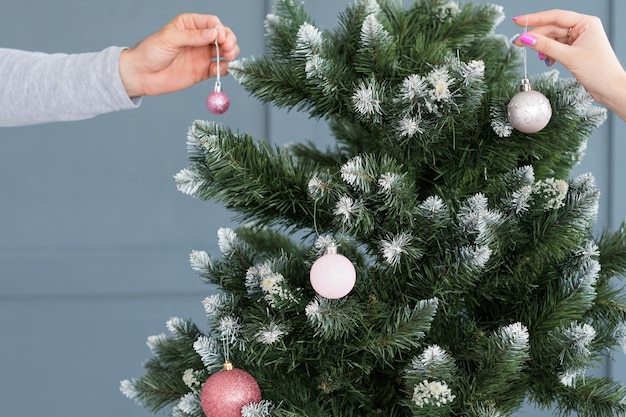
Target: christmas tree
[(480, 282)]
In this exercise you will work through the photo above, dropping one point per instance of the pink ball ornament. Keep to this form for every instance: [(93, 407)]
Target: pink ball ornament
[(225, 392), (218, 101), (332, 275), (529, 111)]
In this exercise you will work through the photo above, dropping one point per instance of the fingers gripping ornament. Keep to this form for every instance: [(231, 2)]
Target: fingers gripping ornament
[(332, 275), (227, 391), (217, 101)]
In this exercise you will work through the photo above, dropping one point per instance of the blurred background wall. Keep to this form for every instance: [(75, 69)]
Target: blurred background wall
[(94, 236)]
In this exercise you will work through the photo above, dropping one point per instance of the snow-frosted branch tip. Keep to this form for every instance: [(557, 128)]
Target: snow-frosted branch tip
[(214, 304), (155, 341), (308, 39), (516, 334), (388, 182), (324, 242), (227, 240), (189, 181), (208, 351), (190, 404), (432, 356), (127, 387), (261, 409), (441, 81), (317, 187), (369, 6), (229, 328), (200, 261), (373, 31), (448, 10), (354, 173), (175, 325), (433, 204), (270, 334), (392, 248), (367, 101), (409, 127)]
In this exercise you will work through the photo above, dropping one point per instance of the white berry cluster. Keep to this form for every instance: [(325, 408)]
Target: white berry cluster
[(433, 393)]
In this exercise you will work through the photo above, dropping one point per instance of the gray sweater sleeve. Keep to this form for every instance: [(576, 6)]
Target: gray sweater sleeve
[(36, 87)]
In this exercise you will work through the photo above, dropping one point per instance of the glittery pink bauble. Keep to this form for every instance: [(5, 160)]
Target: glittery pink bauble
[(333, 276), (529, 111), (217, 102), (226, 391)]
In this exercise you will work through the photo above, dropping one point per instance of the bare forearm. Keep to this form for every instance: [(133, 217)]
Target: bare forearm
[(615, 95)]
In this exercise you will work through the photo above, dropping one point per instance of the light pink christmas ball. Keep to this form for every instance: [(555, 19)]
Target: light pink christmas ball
[(333, 276), (226, 391), (218, 102), (529, 111)]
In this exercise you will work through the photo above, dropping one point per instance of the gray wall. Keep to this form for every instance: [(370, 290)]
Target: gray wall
[(94, 236)]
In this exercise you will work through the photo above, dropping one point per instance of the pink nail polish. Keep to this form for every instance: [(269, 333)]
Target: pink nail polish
[(542, 56), (528, 39), (517, 17)]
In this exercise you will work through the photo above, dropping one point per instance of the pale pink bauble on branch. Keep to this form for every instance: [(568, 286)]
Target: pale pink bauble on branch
[(529, 111), (225, 392), (332, 275)]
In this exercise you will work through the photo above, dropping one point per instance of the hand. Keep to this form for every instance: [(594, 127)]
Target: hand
[(579, 42), (178, 56)]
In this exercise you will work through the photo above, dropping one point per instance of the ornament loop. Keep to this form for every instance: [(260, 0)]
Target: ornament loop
[(217, 61)]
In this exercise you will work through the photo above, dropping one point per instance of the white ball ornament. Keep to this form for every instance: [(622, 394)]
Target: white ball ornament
[(332, 275), (529, 111)]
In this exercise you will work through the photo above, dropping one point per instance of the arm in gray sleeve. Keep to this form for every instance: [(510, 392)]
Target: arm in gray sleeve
[(37, 87)]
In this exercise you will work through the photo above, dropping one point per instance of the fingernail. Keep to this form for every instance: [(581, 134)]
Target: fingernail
[(528, 39), (547, 61), (517, 17), (542, 56), (515, 39)]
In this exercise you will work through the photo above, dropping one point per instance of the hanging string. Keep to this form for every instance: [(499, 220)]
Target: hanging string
[(524, 53), (315, 218), (218, 83), (225, 349)]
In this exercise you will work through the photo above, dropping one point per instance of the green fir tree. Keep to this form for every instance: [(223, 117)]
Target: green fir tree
[(480, 284)]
